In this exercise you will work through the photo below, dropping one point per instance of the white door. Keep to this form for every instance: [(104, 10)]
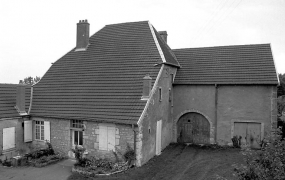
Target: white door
[(158, 137)]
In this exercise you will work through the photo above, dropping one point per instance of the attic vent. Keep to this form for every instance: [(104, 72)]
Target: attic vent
[(82, 40)]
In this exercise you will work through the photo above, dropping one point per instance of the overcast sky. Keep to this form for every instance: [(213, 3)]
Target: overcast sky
[(34, 34)]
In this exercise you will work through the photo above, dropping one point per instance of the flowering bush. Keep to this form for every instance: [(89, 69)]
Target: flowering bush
[(268, 163), (78, 151)]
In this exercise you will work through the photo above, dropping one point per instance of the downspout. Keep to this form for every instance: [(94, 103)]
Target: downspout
[(216, 111), (31, 100), (135, 144)]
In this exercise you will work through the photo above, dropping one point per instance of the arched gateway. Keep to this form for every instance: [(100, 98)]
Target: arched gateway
[(193, 128)]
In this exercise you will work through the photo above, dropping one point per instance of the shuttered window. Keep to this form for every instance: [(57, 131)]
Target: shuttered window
[(28, 131), (42, 129), (107, 138), (9, 138)]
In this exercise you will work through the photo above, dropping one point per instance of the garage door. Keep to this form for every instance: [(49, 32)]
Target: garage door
[(250, 133), (193, 128)]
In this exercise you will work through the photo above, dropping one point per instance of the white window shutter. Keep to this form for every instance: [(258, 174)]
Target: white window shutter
[(9, 138), (28, 131), (103, 138), (47, 130), (111, 138)]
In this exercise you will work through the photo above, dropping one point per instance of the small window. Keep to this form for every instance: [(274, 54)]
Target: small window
[(171, 78), (160, 94), (77, 124), (170, 95)]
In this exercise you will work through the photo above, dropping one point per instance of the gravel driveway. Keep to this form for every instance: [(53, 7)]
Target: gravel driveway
[(59, 171)]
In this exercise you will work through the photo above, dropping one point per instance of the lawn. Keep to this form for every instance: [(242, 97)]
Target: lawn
[(179, 161)]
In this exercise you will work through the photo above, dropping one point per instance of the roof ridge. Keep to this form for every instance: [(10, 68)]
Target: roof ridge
[(127, 22), (222, 46)]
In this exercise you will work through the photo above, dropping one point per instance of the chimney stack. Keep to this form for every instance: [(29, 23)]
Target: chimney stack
[(163, 35), (146, 87), (82, 40), (20, 99)]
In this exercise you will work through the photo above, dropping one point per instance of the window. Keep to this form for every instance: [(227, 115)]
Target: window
[(40, 130), (170, 95), (9, 138), (107, 138), (77, 124), (160, 94), (77, 138)]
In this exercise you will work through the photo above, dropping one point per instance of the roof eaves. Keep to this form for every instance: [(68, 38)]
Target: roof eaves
[(156, 43), (274, 64)]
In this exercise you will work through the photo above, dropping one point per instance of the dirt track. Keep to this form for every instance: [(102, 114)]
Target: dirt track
[(179, 162)]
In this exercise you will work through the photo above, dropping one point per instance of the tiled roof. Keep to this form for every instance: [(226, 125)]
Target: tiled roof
[(8, 100), (242, 64), (170, 57), (103, 83)]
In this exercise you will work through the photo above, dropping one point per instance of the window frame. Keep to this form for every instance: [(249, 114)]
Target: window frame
[(40, 135)]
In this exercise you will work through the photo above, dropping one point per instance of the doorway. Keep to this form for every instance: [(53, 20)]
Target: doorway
[(193, 128)]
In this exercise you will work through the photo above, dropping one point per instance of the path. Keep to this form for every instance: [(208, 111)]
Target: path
[(59, 171)]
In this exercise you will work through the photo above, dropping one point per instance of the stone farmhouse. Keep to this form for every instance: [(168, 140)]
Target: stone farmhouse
[(124, 86)]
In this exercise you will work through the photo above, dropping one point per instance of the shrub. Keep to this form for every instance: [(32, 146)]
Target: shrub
[(129, 155), (268, 163), (236, 141), (78, 151), (38, 153)]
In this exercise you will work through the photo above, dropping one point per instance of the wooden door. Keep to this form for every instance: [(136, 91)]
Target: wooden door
[(254, 135), (193, 128), (250, 133)]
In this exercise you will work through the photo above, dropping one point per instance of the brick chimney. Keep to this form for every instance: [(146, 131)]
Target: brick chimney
[(82, 39), (163, 35), (146, 87), (20, 99)]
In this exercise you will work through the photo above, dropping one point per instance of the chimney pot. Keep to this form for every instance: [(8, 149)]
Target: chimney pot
[(163, 35), (82, 39)]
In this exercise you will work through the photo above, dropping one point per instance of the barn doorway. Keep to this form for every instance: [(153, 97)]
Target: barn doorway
[(193, 128)]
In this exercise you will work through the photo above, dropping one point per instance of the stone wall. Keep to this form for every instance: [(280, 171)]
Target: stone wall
[(222, 105), (245, 104), (156, 110), (195, 98), (124, 137), (61, 137)]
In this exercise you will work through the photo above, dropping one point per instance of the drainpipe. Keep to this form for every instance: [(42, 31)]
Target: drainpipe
[(216, 111), (135, 137)]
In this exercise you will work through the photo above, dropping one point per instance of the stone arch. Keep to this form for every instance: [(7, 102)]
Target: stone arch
[(212, 128)]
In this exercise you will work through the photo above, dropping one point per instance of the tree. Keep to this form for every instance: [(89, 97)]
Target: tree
[(281, 87), (30, 80)]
